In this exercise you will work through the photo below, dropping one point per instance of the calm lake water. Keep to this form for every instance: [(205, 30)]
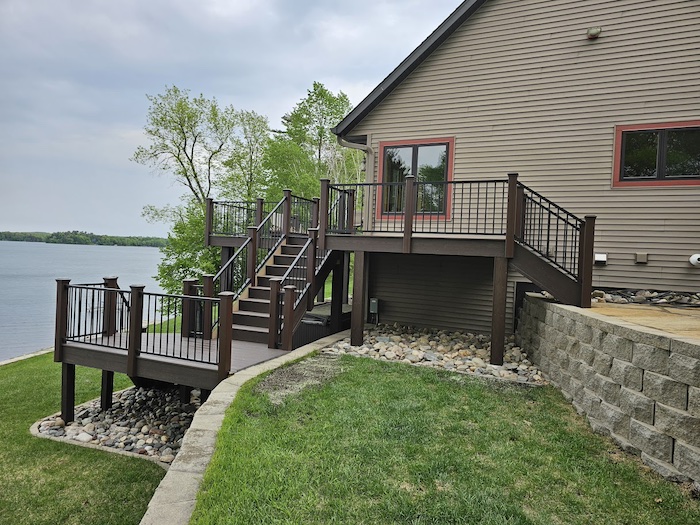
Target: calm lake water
[(28, 273)]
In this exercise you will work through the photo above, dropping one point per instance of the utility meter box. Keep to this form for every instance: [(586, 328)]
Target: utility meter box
[(373, 305)]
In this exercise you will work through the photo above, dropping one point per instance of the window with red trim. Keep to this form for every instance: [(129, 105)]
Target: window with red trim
[(652, 155), (429, 162)]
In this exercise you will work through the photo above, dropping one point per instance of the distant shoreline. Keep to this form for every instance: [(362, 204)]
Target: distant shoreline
[(83, 238)]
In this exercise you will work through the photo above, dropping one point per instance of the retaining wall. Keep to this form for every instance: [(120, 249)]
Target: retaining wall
[(638, 385)]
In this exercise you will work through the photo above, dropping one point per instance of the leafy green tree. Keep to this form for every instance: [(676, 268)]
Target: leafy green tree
[(309, 126), (189, 139), (184, 255), (290, 167)]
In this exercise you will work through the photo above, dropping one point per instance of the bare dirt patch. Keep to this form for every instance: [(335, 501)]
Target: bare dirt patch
[(293, 379)]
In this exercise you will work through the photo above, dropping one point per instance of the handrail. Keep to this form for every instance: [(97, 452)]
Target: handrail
[(232, 217)]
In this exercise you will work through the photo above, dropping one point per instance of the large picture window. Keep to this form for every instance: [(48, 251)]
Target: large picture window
[(429, 162), (666, 154)]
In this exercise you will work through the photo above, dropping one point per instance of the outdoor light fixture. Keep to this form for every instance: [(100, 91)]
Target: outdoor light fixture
[(593, 32), (600, 259)]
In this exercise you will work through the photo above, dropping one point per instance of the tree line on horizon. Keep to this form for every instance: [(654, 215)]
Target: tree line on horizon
[(80, 237), (233, 154)]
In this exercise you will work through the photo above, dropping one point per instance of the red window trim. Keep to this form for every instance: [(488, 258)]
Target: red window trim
[(617, 152), (450, 141)]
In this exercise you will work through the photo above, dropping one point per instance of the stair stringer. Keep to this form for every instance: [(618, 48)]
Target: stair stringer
[(545, 275)]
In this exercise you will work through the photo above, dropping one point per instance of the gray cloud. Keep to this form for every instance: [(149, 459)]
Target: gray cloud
[(74, 76)]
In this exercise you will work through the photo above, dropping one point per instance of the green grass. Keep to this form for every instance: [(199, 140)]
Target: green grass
[(48, 482), (386, 443)]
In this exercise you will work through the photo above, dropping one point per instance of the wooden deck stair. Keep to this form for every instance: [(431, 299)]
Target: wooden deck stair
[(252, 319)]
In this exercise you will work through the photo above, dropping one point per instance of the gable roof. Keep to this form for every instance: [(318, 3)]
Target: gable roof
[(410, 63)]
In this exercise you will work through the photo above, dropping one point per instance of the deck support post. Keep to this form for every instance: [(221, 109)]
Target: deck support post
[(323, 213), (207, 306), (109, 313), (409, 211), (67, 392), (107, 390), (209, 222), (259, 210), (511, 214), (287, 213), (288, 326), (184, 393), (188, 324), (337, 295), (225, 333), (61, 318), (311, 266), (359, 299), (252, 261), (346, 277), (585, 260), (498, 312), (273, 322), (135, 319)]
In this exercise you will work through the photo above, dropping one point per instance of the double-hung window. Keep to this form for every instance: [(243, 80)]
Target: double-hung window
[(429, 162), (654, 155)]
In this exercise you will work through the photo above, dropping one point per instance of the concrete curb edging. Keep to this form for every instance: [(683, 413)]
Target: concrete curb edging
[(26, 356), (174, 500)]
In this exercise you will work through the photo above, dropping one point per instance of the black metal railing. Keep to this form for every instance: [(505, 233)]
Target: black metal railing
[(233, 275), (549, 230), (98, 315), (302, 214), (232, 218), (269, 235)]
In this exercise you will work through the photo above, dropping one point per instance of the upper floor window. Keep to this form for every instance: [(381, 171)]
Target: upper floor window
[(428, 161), (653, 155)]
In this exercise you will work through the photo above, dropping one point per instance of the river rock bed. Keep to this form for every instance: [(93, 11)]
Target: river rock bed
[(455, 351), (646, 297), (144, 421)]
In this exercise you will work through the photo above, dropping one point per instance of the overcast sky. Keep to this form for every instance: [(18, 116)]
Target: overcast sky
[(74, 75)]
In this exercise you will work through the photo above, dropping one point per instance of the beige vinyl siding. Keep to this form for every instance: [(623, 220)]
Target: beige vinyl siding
[(446, 292), (521, 88)]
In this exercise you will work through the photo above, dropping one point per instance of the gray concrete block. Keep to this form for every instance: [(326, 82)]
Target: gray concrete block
[(686, 346), (665, 390), (649, 440), (684, 369), (625, 445), (616, 419), (617, 347), (687, 460), (650, 358), (575, 369), (591, 403), (694, 401), (586, 353), (636, 405), (666, 470), (678, 424), (602, 362), (626, 374), (642, 334), (607, 389), (583, 332), (587, 373)]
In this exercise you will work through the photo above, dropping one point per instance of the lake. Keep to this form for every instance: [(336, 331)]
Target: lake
[(28, 273)]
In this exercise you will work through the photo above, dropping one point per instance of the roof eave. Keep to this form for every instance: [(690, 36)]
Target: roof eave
[(410, 63)]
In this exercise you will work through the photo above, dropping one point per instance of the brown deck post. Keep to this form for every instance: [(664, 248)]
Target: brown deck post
[(252, 261), (498, 312), (323, 213), (109, 313), (359, 286), (287, 213), (519, 213), (311, 266), (290, 294), (511, 214), (342, 210), (225, 333), (207, 291), (314, 212), (346, 277), (259, 210), (67, 392), (61, 318), (187, 326), (273, 322), (337, 295), (409, 211), (135, 318), (350, 226), (209, 222), (107, 390), (585, 260)]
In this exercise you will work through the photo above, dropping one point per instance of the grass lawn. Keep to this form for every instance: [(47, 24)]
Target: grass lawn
[(47, 482), (388, 443)]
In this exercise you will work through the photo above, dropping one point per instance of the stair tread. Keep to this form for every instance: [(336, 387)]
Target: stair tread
[(255, 300), (251, 313), (247, 328)]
